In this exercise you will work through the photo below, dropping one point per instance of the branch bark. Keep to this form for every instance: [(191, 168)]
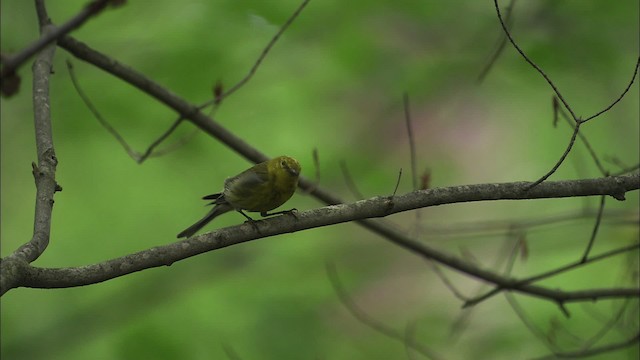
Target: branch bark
[(362, 211)]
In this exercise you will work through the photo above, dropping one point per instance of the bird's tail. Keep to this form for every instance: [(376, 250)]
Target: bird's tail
[(217, 210)]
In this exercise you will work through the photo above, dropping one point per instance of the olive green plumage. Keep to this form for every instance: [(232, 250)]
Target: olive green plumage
[(260, 188)]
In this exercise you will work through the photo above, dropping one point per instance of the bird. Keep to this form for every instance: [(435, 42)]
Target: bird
[(261, 188)]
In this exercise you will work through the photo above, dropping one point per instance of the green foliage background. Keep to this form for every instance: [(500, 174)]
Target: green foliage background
[(334, 82)]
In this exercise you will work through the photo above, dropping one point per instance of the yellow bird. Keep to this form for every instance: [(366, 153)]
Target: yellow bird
[(260, 188)]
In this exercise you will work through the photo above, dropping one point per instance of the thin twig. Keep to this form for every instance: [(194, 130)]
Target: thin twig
[(498, 227), (533, 64), (462, 320), (446, 281), (554, 272), (533, 328), (364, 318), (606, 327), (633, 78), (135, 155), (262, 56), (560, 161), (110, 129), (412, 144), (150, 150), (583, 138), (632, 341), (316, 165), (349, 180), (395, 189), (627, 170), (500, 48), (595, 230), (409, 335), (412, 150)]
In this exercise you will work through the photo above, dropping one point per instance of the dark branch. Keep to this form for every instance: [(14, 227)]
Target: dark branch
[(44, 172), (572, 141), (548, 274), (533, 64), (110, 129), (11, 64), (594, 233), (583, 138)]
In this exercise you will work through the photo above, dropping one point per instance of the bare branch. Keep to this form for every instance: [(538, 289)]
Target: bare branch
[(550, 273), (583, 138), (504, 226), (500, 48), (633, 78), (607, 326), (446, 281), (412, 143), (633, 340), (262, 56), (533, 328), (316, 165), (135, 155), (533, 64), (361, 210), (44, 172), (11, 64), (364, 318), (185, 109), (346, 174), (110, 129), (595, 230), (561, 160), (395, 189)]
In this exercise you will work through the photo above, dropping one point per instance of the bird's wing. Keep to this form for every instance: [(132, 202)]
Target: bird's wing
[(249, 178)]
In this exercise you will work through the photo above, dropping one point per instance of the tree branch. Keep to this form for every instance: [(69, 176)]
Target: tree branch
[(193, 114), (361, 210), (11, 64), (44, 171)]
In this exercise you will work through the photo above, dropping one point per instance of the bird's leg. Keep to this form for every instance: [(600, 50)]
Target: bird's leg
[(245, 215), (249, 220)]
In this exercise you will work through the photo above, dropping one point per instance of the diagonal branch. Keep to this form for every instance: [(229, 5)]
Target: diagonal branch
[(626, 90), (533, 64), (604, 349), (11, 64), (262, 56), (191, 113), (553, 272)]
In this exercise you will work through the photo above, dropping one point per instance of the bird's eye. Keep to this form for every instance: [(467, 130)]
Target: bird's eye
[(284, 164)]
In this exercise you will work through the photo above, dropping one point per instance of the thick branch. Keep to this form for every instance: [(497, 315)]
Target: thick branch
[(44, 171), (361, 210)]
